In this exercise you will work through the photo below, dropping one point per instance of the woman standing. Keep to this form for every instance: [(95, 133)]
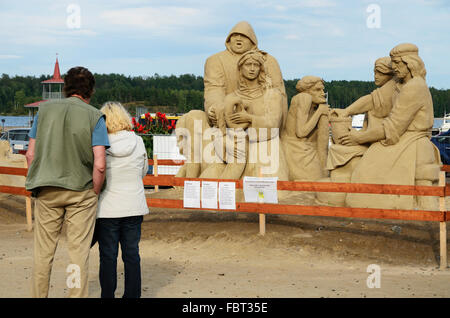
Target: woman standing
[(122, 204)]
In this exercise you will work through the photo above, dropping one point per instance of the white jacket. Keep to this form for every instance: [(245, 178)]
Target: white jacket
[(126, 165)]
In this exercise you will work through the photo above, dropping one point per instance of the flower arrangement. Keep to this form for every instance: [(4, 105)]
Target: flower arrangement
[(153, 126), (147, 126)]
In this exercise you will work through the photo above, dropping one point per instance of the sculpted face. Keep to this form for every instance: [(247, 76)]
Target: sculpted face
[(380, 78), (400, 68), (239, 43), (317, 93), (250, 69)]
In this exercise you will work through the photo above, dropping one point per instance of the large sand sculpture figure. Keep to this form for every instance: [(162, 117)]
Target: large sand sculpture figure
[(305, 137), (226, 94)]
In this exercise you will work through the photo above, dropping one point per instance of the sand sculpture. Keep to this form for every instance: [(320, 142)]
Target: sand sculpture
[(221, 75), (345, 150), (397, 137), (305, 137), (245, 94), (239, 103), (8, 159)]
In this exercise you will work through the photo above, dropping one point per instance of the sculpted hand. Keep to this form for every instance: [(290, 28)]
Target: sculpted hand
[(240, 117), (350, 139), (323, 109), (212, 116)]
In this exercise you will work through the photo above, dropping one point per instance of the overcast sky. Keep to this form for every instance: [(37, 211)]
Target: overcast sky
[(328, 38)]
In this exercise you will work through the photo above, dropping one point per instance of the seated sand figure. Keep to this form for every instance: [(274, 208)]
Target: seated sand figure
[(265, 106), (346, 151), (305, 137), (403, 153), (257, 107)]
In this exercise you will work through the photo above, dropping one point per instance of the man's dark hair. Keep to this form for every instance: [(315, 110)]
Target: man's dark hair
[(80, 81)]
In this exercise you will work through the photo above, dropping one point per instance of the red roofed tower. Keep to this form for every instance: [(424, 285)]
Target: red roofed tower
[(51, 88)]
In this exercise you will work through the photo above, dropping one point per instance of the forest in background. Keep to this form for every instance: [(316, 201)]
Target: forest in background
[(179, 94)]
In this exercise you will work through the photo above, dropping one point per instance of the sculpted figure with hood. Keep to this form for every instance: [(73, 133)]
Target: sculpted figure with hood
[(223, 78)]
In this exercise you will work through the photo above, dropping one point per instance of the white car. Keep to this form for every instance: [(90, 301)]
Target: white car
[(18, 139)]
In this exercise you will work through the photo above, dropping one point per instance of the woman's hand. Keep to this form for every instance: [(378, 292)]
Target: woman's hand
[(240, 118), (350, 139)]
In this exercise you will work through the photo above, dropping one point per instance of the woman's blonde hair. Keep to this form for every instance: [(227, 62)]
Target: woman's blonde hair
[(117, 117)]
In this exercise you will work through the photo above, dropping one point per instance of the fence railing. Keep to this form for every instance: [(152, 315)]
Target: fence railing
[(262, 209)]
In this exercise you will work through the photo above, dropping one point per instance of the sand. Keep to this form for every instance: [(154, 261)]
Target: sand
[(189, 253)]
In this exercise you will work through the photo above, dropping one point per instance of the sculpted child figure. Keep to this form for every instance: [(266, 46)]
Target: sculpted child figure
[(305, 137), (377, 104)]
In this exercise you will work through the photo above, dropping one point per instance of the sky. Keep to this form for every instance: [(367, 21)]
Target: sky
[(336, 40)]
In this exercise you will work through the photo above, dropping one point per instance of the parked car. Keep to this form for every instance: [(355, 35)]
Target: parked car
[(18, 139), (442, 141)]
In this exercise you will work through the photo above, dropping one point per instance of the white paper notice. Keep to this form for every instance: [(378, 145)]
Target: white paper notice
[(227, 195), (191, 197), (263, 190), (209, 194)]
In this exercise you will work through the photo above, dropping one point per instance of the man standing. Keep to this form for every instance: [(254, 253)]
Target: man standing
[(66, 159)]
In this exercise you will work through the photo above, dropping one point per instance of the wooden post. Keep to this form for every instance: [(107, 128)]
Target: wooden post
[(155, 170), (443, 226), (262, 216), (28, 209)]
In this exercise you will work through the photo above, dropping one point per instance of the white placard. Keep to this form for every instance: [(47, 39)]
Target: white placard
[(209, 194), (191, 198), (262, 190), (227, 195)]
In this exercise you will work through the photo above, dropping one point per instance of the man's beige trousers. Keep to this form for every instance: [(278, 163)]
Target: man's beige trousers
[(78, 210)]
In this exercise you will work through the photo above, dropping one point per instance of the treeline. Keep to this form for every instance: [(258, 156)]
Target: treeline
[(182, 93)]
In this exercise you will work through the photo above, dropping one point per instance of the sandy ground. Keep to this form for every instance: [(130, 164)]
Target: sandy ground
[(220, 254)]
